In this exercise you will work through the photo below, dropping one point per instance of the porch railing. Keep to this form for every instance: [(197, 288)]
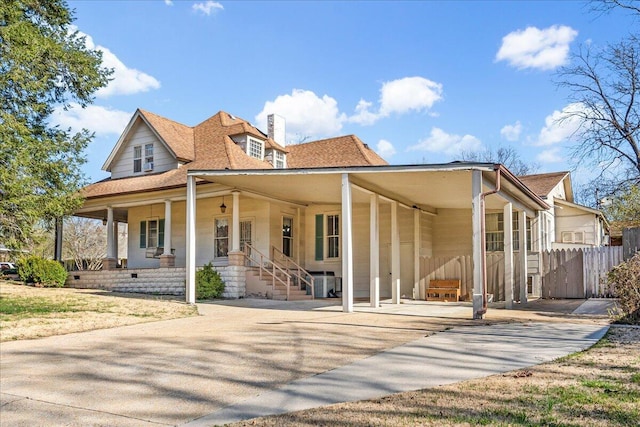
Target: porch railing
[(267, 266), (295, 269)]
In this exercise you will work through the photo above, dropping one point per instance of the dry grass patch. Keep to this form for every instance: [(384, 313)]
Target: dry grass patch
[(598, 387), (27, 312)]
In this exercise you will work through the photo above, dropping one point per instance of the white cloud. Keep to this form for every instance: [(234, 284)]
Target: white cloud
[(125, 80), (306, 114), (399, 96), (101, 120), (511, 132), (560, 125), (551, 155), (168, 2), (385, 148), (363, 114), (535, 48), (441, 142), (407, 94), (207, 7)]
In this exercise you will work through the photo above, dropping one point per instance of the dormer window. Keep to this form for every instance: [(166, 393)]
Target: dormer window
[(279, 162), (255, 148)]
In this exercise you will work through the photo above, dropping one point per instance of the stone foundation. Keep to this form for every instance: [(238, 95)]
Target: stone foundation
[(160, 281)]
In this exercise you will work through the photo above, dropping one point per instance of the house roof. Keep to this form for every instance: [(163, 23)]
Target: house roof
[(542, 184), (346, 150), (209, 145), (177, 136)]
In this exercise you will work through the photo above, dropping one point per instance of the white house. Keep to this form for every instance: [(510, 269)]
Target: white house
[(269, 215)]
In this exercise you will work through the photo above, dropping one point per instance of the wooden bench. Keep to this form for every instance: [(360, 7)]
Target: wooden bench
[(443, 290)]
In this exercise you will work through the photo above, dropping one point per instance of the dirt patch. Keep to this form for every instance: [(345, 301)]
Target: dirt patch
[(76, 310), (598, 387)]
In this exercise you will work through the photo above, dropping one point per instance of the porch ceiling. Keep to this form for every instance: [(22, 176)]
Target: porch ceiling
[(424, 188)]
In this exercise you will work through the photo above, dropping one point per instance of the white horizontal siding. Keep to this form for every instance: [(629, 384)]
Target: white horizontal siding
[(452, 233), (140, 134)]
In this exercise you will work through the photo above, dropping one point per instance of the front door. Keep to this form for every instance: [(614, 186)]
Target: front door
[(287, 236)]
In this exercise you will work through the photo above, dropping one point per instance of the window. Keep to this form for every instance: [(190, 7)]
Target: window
[(330, 240), (287, 236), (245, 233), (137, 158), (152, 233), (333, 236), (148, 157), (255, 148), (494, 232), (279, 159), (221, 237)]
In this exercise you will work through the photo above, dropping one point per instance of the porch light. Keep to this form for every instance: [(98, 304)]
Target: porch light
[(223, 207), (104, 221)]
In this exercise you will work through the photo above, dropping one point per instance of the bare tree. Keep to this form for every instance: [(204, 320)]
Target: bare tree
[(605, 85), (606, 6), (507, 156), (84, 241)]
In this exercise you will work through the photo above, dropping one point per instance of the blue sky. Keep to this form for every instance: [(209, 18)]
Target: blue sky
[(417, 81)]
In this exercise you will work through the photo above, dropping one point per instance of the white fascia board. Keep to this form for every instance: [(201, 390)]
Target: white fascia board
[(517, 203), (202, 173)]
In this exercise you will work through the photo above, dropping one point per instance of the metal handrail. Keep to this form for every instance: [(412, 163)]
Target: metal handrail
[(263, 264), (300, 273)]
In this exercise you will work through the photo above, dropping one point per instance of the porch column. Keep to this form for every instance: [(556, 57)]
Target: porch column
[(477, 212), (235, 226), (236, 257), (167, 259), (58, 239), (395, 255), (296, 235), (109, 263), (115, 240), (522, 220), (347, 246), (374, 251), (190, 290), (416, 254), (508, 255)]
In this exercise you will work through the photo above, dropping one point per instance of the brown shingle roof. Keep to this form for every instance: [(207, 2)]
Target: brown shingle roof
[(208, 145), (178, 137), (543, 183), (346, 150)]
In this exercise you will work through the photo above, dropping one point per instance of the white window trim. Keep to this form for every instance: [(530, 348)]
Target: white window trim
[(257, 141), (326, 236), (282, 236), (137, 158), (148, 159), (279, 156), (215, 238)]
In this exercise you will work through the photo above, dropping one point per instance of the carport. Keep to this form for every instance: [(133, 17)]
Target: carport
[(430, 193)]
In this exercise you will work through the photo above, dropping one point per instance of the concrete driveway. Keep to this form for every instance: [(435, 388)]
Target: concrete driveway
[(176, 371)]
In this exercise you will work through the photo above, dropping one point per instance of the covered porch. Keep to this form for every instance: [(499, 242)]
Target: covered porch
[(383, 221)]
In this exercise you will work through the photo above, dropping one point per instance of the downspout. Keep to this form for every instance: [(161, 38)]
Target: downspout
[(483, 249)]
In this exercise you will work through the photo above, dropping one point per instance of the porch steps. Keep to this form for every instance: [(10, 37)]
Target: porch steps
[(279, 291)]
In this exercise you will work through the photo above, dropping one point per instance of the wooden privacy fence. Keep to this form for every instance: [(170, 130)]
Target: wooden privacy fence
[(578, 273)]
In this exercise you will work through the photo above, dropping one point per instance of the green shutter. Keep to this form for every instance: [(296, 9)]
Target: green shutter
[(161, 233), (319, 237), (143, 234)]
